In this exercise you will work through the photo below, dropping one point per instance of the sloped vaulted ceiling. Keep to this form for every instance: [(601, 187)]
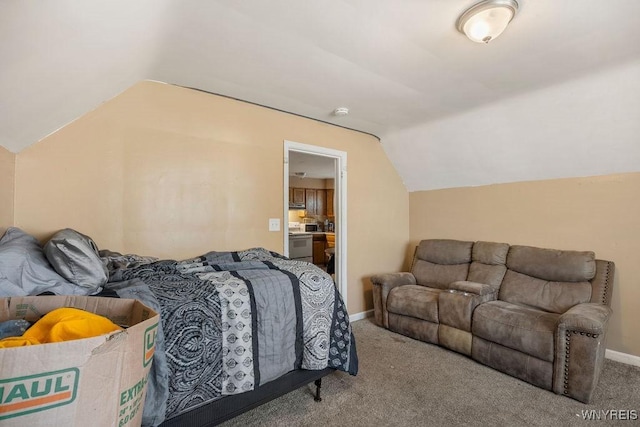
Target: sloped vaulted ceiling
[(449, 112)]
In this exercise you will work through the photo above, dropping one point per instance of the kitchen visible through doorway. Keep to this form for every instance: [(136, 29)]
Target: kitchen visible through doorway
[(315, 202)]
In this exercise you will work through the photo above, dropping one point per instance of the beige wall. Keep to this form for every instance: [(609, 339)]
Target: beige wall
[(172, 172), (7, 175), (601, 214)]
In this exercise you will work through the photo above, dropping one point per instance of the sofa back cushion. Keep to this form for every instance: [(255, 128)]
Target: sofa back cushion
[(438, 262), (488, 263), (548, 279), (552, 264)]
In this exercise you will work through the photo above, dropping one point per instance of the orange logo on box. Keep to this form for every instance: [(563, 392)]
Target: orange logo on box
[(33, 393), (149, 344)]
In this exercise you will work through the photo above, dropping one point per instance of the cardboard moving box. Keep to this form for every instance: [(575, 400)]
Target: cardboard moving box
[(98, 381)]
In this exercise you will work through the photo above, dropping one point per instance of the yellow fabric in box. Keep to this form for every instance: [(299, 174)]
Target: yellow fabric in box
[(63, 324)]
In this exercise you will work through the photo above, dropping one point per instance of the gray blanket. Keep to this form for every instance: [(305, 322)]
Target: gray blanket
[(233, 321)]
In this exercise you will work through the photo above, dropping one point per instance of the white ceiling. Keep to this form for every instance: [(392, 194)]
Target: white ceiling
[(311, 165), (397, 64)]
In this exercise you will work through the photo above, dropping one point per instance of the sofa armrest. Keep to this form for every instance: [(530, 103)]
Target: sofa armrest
[(472, 287), (382, 285), (391, 280), (588, 318), (580, 348), (457, 304)]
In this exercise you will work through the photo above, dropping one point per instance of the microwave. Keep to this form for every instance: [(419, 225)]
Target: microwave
[(310, 227)]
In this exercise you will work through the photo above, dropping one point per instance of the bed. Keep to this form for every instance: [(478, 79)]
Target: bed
[(237, 328)]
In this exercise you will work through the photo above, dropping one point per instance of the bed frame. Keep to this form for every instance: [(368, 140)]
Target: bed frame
[(224, 409)]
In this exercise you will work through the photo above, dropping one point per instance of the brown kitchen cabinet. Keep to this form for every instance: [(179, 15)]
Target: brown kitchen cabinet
[(310, 201), (296, 195), (329, 204), (316, 201), (331, 240), (319, 245), (321, 202)]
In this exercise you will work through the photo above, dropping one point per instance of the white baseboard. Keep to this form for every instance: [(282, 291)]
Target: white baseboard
[(362, 315), (628, 359)]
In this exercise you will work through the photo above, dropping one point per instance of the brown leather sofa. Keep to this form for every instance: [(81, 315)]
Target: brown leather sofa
[(540, 315)]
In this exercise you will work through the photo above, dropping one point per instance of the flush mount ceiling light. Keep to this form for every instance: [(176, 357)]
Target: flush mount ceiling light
[(486, 20)]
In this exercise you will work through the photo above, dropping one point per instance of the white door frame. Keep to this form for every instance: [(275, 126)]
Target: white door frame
[(340, 210)]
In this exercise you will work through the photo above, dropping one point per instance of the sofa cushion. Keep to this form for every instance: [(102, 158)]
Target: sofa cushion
[(552, 264), (437, 275), (444, 251), (488, 263), (518, 327), (438, 262), (488, 274), (556, 297), (490, 253), (415, 301)]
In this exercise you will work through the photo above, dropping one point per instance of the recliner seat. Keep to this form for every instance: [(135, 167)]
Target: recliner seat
[(540, 315)]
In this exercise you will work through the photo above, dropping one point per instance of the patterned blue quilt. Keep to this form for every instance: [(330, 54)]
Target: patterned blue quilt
[(233, 321)]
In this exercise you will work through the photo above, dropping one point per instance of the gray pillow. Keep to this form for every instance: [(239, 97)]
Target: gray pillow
[(24, 270), (75, 257)]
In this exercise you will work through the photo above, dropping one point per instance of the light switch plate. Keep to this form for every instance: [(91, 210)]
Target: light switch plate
[(274, 224)]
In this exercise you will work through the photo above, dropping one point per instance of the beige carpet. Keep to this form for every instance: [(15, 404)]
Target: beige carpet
[(404, 382)]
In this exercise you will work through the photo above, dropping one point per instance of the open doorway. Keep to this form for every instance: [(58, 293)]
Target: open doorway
[(302, 161)]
